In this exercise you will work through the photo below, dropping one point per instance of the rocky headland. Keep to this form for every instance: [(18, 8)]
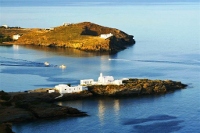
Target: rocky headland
[(39, 104), (84, 36), (23, 106), (137, 87)]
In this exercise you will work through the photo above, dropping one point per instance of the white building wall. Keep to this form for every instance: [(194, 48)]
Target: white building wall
[(51, 91), (105, 79), (108, 79), (6, 26), (105, 36), (117, 82), (62, 88), (87, 82), (16, 37), (102, 80)]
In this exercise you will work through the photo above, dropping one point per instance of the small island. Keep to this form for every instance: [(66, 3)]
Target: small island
[(85, 36), (40, 103)]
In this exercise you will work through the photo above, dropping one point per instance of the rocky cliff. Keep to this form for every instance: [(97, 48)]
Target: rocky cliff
[(137, 87), (84, 36)]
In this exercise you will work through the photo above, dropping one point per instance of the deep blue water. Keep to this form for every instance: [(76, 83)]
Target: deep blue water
[(167, 47)]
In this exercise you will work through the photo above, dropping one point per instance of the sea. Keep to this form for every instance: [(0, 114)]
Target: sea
[(167, 47)]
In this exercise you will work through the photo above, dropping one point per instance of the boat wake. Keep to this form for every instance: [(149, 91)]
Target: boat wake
[(194, 62), (25, 63), (120, 59)]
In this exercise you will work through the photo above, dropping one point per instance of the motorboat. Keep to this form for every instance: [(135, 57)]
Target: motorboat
[(46, 63), (62, 66)]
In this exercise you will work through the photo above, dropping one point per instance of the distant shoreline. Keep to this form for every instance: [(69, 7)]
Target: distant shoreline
[(84, 36)]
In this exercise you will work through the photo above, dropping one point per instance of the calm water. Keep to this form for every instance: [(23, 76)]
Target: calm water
[(167, 47)]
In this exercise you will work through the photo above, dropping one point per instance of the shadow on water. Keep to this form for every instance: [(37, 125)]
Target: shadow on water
[(39, 125), (158, 127), (148, 119), (154, 124), (67, 51)]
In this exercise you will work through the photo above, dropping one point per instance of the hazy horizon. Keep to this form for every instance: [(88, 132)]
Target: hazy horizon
[(10, 3)]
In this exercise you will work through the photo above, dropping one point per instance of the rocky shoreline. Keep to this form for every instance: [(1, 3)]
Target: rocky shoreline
[(137, 87), (23, 106)]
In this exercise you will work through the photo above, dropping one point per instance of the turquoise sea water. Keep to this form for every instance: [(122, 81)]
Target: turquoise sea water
[(167, 46)]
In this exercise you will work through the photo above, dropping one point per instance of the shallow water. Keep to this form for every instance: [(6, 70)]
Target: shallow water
[(167, 47)]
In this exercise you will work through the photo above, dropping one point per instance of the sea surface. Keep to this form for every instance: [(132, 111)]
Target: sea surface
[(167, 35)]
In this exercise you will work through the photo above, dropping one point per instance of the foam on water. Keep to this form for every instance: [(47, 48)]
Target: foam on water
[(23, 63)]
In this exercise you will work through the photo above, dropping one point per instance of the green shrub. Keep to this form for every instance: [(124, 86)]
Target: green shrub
[(4, 38)]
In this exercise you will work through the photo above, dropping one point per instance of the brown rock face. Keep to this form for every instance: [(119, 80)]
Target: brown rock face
[(84, 36), (137, 87)]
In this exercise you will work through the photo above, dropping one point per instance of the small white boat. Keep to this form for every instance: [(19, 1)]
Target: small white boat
[(62, 66), (46, 63)]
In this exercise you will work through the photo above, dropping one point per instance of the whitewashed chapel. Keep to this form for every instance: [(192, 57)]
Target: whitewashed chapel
[(102, 80)]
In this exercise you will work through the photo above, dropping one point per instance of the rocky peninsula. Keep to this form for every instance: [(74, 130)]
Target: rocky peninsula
[(85, 36), (137, 87), (39, 104), (22, 106)]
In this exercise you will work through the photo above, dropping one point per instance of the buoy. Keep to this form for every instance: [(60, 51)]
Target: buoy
[(62, 66)]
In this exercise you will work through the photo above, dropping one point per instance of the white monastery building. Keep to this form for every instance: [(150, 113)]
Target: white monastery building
[(108, 80), (16, 37), (87, 81), (63, 88), (102, 80), (105, 36)]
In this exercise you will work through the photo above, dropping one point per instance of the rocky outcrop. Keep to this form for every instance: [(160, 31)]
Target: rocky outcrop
[(20, 107), (137, 87), (74, 96), (84, 36), (6, 128)]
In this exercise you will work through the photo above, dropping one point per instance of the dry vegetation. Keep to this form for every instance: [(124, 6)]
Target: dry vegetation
[(62, 36), (84, 36)]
